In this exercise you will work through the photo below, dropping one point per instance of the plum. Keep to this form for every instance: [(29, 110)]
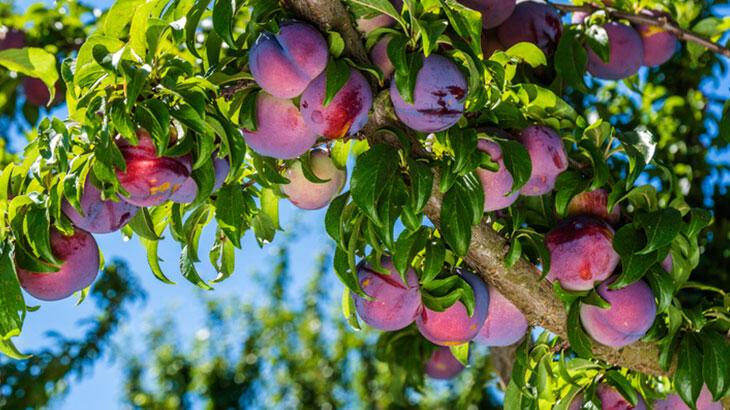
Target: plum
[(36, 92), (630, 316), (188, 191), (668, 263), (394, 304), (626, 57), (442, 365), (581, 253), (594, 203), (366, 25), (149, 179), (309, 195), (610, 399), (579, 17), (659, 45), (505, 324), (345, 115), (438, 97), (379, 56), (284, 64), (79, 257), (548, 157), (494, 12), (11, 38), (674, 402), (497, 185), (99, 215), (281, 131), (454, 326), (532, 22), (491, 43)]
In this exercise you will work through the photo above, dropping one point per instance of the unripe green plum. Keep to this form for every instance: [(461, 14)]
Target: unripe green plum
[(442, 365), (594, 203), (309, 195), (548, 157), (610, 399), (581, 253), (630, 316), (494, 12), (532, 22), (79, 257), (99, 215), (284, 64), (674, 402), (505, 324), (438, 97), (454, 326), (280, 129), (626, 57), (149, 179), (394, 304), (497, 185)]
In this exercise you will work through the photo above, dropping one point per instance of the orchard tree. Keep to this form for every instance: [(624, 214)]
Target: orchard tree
[(511, 165)]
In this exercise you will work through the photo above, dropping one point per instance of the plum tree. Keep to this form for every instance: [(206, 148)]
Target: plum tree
[(594, 203), (659, 45), (79, 258), (280, 129), (345, 115), (149, 179), (505, 324), (99, 215), (393, 304), (610, 399), (626, 54), (581, 253), (494, 12), (497, 185), (379, 55), (548, 157), (532, 22), (454, 326), (630, 316), (283, 64), (438, 96), (188, 191), (674, 402), (442, 365), (309, 195)]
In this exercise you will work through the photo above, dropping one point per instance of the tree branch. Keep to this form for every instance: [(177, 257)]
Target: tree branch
[(520, 284), (663, 22)]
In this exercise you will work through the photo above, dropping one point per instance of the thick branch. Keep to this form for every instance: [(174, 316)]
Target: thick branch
[(663, 22), (520, 284)]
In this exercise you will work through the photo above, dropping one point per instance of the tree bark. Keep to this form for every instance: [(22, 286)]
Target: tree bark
[(520, 283)]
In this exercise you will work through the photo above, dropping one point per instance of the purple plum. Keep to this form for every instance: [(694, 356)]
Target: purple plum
[(442, 365), (308, 195), (594, 203), (99, 215), (505, 324), (497, 185), (674, 402), (548, 157), (659, 45), (532, 22), (494, 12), (626, 57)]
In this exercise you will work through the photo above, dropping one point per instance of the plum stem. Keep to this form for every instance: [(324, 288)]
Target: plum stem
[(663, 22)]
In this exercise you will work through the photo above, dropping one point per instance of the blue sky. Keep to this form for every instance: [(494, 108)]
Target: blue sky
[(102, 387)]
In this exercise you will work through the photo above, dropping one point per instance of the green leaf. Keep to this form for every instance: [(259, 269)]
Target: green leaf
[(337, 74), (461, 353), (223, 20), (187, 268), (597, 38), (371, 176), (153, 260), (421, 184), (7, 347), (528, 53), (579, 340), (571, 59), (623, 385), (457, 217), (12, 305), (627, 242), (466, 22), (517, 161), (33, 62), (435, 255), (514, 254), (688, 376), (143, 225), (660, 227), (332, 219), (407, 247), (348, 309), (715, 365)]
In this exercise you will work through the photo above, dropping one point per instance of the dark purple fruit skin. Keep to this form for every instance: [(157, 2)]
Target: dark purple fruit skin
[(611, 399), (630, 316), (11, 39), (659, 45), (674, 402), (99, 215), (379, 56), (79, 257), (594, 203), (494, 12), (627, 54), (394, 304), (438, 98), (581, 253), (532, 22), (548, 157), (36, 92), (454, 326), (345, 115), (283, 64), (442, 365)]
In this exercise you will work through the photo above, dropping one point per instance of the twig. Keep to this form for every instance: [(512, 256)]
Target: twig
[(661, 21)]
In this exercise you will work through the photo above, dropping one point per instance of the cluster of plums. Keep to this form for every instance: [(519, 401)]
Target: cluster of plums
[(36, 92), (612, 399), (394, 304)]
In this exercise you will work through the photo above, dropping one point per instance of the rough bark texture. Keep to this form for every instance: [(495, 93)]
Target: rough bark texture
[(520, 283)]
